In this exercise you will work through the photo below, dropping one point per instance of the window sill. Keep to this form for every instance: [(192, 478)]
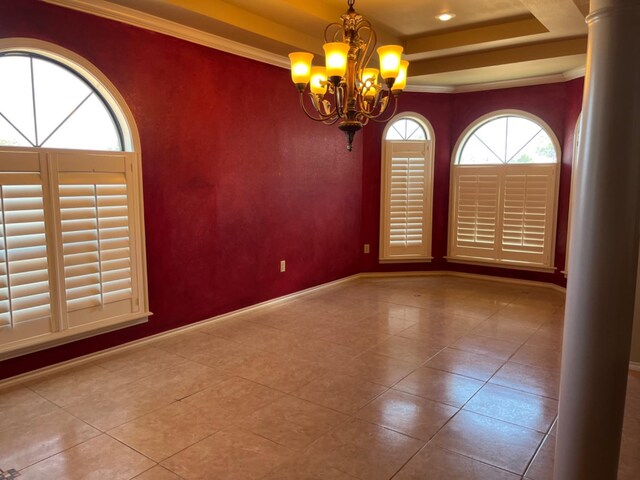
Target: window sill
[(43, 342), (509, 265), (406, 260)]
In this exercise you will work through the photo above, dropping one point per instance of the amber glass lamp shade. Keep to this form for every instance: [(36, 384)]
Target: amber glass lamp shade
[(401, 79), (318, 83), (300, 67), (336, 59), (390, 56)]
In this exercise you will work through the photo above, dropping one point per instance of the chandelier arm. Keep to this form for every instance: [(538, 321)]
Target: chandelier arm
[(395, 109), (320, 117), (328, 39), (372, 40)]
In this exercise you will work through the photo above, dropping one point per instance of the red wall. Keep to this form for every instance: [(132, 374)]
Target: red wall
[(234, 179), (557, 104)]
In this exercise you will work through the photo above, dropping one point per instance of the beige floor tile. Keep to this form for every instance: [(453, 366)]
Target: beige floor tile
[(406, 349), (409, 414), (632, 405), (378, 368), (107, 411), (513, 406), (41, 437), (90, 461), (541, 467), (489, 346), (324, 353), (191, 344), (228, 357), (292, 422), (364, 450), (539, 356), (436, 464), (340, 392), (20, 405), (355, 337), (504, 329), (165, 432), (491, 441), (629, 468), (66, 386), (279, 371), (238, 455), (158, 473), (385, 324), (184, 379), (306, 468), (439, 386), (233, 399), (539, 381), (549, 334), (439, 332), (631, 437), (136, 364), (530, 315), (480, 367)]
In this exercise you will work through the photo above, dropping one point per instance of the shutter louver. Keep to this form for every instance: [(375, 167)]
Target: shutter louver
[(25, 297), (406, 199), (527, 213), (95, 240), (476, 211)]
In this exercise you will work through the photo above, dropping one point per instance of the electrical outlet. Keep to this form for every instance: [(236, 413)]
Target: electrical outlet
[(366, 248), (283, 266)]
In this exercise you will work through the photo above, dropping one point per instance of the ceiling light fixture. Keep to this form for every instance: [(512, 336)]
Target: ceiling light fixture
[(445, 17), (346, 88)]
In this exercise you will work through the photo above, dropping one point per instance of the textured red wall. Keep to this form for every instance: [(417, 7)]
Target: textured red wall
[(450, 115), (235, 179)]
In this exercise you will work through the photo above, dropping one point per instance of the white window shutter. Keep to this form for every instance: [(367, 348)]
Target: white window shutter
[(475, 211), (528, 213), (25, 288), (95, 206), (406, 200)]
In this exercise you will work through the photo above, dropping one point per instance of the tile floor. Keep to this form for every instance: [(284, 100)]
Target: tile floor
[(403, 378)]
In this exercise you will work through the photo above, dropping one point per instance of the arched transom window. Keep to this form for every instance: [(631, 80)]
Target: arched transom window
[(51, 106), (406, 190), (504, 187), (71, 251)]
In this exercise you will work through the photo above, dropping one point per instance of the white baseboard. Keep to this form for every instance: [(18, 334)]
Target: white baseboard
[(634, 366), (92, 357)]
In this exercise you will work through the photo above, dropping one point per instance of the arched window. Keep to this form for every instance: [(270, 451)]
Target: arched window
[(406, 190), (71, 249), (504, 188)]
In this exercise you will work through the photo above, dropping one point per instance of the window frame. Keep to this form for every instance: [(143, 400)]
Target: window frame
[(383, 255), (125, 123), (455, 156)]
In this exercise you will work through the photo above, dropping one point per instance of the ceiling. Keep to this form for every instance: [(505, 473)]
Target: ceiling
[(488, 42)]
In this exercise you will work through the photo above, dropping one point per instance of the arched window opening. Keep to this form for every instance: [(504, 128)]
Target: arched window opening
[(504, 188), (406, 190), (71, 249)]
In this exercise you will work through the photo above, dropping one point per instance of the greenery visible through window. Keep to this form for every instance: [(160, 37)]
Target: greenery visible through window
[(45, 104), (508, 139)]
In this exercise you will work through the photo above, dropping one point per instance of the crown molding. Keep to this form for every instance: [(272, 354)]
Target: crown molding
[(574, 73), (105, 9), (430, 89)]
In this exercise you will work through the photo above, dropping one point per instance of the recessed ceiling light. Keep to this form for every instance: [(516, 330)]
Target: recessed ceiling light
[(445, 17)]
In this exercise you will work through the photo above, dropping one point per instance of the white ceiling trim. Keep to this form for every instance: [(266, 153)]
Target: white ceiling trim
[(102, 8)]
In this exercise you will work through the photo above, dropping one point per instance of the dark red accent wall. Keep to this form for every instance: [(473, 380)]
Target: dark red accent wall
[(235, 177), (558, 104)]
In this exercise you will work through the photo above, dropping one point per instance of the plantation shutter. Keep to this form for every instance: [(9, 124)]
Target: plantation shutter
[(476, 211), (528, 213), (96, 237), (25, 296), (406, 199)]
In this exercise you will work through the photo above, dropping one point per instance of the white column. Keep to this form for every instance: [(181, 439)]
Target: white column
[(604, 250)]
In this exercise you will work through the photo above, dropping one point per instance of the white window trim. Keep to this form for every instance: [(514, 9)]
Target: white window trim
[(383, 255), (471, 128), (131, 144)]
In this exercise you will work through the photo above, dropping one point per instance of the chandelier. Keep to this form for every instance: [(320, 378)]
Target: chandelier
[(346, 88)]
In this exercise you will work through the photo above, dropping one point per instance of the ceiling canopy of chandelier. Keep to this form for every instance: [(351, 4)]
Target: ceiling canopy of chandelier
[(347, 89)]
